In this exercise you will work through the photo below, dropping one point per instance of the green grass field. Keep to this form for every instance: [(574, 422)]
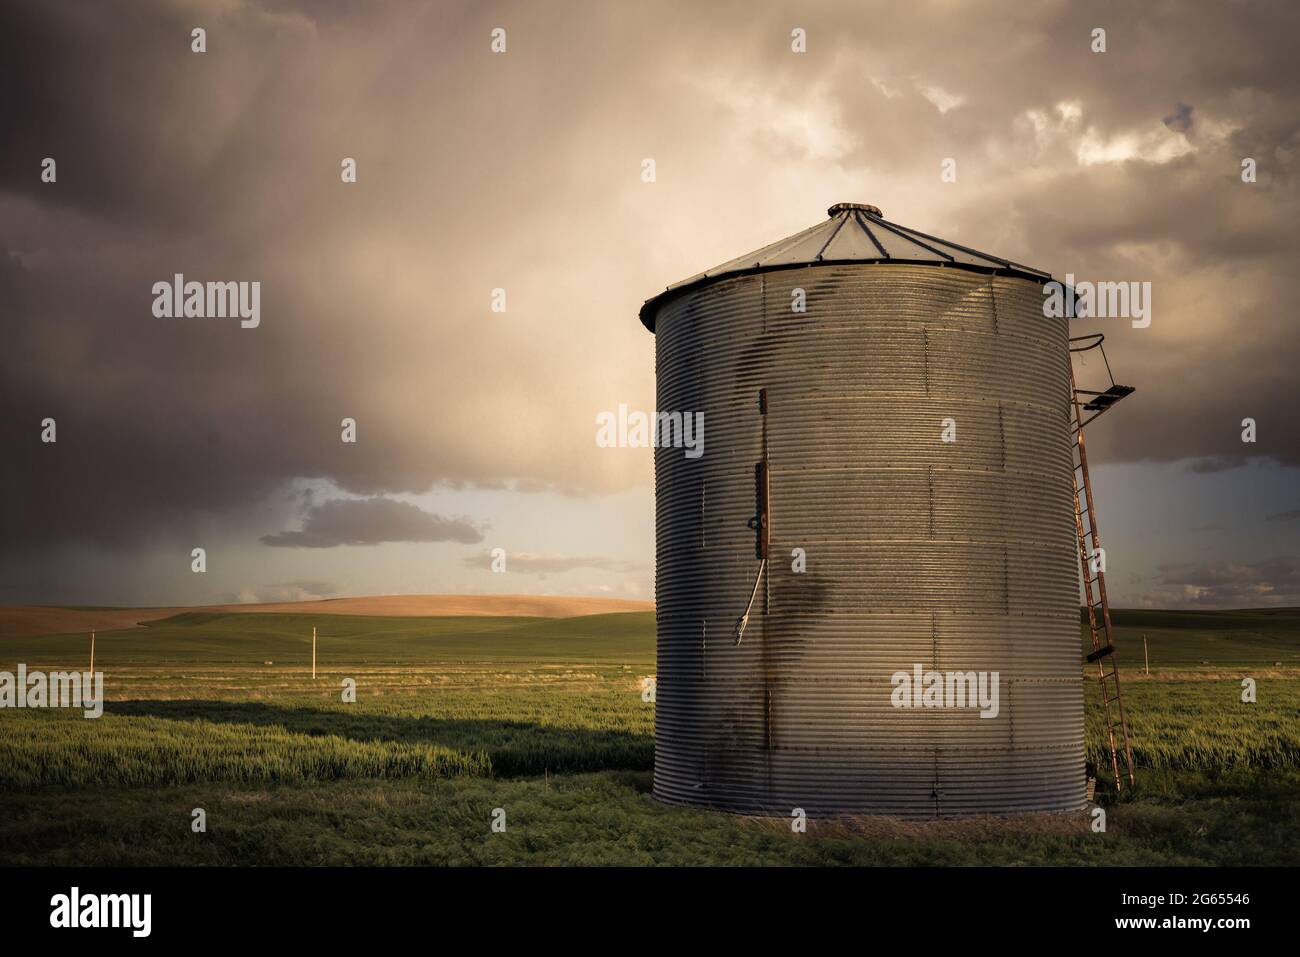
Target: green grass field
[(456, 717)]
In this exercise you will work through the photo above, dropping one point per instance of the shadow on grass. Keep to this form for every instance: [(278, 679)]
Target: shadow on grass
[(513, 747)]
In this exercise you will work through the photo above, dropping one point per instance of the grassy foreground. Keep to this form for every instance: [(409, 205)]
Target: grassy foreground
[(543, 718)]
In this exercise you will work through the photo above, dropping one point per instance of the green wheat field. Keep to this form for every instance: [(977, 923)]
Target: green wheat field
[(544, 718)]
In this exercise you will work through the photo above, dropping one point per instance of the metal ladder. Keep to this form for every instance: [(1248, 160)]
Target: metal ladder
[(1094, 584)]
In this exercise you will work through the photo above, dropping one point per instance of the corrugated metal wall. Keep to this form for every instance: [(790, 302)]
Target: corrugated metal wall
[(957, 557)]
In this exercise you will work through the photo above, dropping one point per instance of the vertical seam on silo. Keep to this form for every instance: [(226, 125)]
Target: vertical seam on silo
[(1011, 714), (929, 479), (768, 724), (936, 787), (1006, 581), (1002, 438), (1006, 572), (766, 451), (993, 301), (925, 358), (767, 598), (704, 517)]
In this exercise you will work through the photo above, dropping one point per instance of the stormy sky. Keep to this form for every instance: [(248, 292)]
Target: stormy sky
[(522, 171)]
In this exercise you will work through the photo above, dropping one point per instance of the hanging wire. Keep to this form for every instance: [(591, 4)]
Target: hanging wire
[(743, 620)]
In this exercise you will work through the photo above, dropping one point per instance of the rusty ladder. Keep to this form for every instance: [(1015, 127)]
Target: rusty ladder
[(1092, 562)]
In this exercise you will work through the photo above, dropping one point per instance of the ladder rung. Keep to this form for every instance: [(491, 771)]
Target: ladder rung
[(1094, 578), (1099, 403)]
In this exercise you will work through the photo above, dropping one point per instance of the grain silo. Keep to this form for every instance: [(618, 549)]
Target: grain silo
[(897, 409)]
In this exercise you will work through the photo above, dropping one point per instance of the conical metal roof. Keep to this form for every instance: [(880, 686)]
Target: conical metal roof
[(854, 233)]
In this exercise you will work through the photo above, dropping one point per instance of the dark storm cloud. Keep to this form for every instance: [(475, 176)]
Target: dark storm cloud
[(225, 166), (1180, 120), (145, 132), (478, 171), (1228, 584), (371, 521), (1105, 190), (1293, 515)]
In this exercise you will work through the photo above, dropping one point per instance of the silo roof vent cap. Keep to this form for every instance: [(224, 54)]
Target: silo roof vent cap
[(845, 207)]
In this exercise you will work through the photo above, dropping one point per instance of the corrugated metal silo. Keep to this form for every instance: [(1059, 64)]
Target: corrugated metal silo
[(955, 556)]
